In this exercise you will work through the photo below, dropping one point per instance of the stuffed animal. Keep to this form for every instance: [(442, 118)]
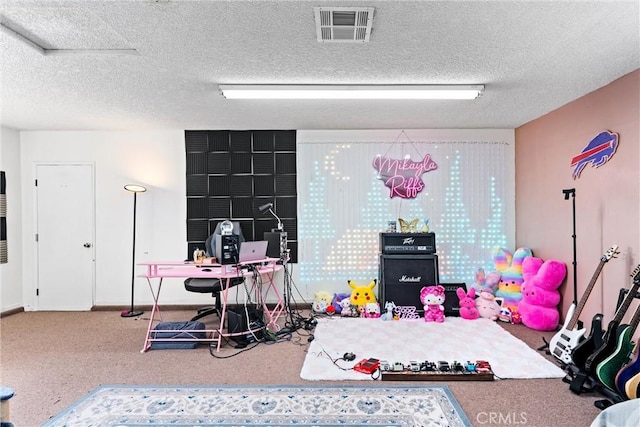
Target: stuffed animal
[(432, 297), (372, 310), (540, 296), (486, 282), (468, 308), (335, 302), (388, 311), (510, 268), (345, 307), (361, 295), (322, 299), (488, 305)]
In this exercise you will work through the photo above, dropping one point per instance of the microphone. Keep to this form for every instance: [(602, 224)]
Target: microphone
[(265, 207)]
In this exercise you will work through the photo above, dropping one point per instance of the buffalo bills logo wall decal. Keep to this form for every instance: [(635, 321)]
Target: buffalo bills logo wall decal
[(597, 152)]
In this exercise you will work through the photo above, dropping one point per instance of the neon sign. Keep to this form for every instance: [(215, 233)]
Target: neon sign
[(403, 177)]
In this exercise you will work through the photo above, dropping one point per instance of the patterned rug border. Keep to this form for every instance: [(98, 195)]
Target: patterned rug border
[(455, 410)]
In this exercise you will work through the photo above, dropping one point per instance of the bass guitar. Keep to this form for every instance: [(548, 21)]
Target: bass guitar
[(607, 369), (614, 329), (628, 379), (565, 340)]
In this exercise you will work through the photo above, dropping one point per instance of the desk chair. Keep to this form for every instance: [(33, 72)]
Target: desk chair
[(213, 286)]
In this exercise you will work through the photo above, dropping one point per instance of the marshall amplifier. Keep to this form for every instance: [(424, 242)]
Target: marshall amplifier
[(408, 243), (402, 277)]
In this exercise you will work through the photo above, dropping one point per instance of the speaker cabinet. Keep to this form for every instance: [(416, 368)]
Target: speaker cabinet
[(227, 248), (277, 245), (402, 277)]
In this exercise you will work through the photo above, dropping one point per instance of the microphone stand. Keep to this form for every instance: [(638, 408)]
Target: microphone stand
[(572, 192)]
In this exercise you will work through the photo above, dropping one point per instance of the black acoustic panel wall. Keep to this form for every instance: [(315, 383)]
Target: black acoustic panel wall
[(219, 140), (197, 142), (403, 276), (286, 185), (196, 228), (196, 164), (264, 185), (291, 227), (219, 185), (287, 207), (285, 163), (241, 185), (219, 207), (285, 140), (263, 141), (197, 185), (240, 141), (236, 172), (241, 207), (219, 163), (241, 163), (197, 208), (263, 163), (262, 226)]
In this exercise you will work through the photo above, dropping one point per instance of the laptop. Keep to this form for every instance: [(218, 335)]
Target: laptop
[(253, 251)]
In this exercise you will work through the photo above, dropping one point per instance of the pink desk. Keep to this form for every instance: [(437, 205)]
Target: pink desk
[(261, 286)]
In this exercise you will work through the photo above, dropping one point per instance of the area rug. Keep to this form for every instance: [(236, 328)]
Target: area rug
[(455, 339), (265, 405)]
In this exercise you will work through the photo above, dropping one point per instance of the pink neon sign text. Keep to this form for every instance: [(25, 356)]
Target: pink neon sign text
[(403, 177)]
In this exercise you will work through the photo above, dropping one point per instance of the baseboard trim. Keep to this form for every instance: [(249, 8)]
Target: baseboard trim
[(11, 312)]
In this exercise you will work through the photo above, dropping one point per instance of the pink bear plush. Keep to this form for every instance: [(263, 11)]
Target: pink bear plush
[(433, 297), (540, 295), (468, 308)]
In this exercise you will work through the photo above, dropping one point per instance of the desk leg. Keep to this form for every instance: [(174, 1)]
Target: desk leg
[(273, 315), (155, 310), (223, 304)]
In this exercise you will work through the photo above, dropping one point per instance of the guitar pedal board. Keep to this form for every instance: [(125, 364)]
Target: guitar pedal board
[(442, 370)]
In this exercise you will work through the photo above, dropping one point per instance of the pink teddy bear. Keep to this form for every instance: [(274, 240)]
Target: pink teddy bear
[(468, 308), (433, 297)]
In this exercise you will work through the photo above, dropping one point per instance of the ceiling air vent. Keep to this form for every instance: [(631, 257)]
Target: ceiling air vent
[(343, 24)]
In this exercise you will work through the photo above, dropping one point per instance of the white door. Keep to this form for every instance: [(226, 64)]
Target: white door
[(64, 233)]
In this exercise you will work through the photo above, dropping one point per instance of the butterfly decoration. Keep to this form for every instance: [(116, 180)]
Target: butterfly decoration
[(408, 226)]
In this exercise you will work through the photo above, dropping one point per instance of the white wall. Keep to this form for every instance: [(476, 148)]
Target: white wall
[(11, 273), (156, 160)]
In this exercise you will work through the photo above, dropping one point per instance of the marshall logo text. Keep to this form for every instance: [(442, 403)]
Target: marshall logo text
[(410, 279)]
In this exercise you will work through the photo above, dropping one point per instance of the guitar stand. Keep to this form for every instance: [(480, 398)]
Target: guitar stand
[(581, 382), (544, 347)]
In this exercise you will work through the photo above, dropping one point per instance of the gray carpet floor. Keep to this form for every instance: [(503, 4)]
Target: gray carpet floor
[(52, 359)]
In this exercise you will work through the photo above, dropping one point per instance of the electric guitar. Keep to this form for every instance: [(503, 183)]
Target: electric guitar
[(563, 342), (614, 329), (628, 379), (607, 369)]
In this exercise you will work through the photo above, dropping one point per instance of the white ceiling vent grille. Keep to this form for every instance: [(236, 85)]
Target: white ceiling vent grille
[(343, 24)]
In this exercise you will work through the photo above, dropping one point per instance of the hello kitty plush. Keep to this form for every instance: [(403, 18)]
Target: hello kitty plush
[(468, 308), (433, 299)]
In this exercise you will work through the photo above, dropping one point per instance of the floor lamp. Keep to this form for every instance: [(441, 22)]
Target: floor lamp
[(135, 189)]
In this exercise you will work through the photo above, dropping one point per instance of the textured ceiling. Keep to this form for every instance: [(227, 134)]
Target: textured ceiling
[(156, 64)]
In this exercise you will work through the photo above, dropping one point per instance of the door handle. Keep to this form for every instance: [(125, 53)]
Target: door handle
[(87, 245)]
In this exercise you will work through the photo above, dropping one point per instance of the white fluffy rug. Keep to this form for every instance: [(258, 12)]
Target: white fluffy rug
[(406, 340)]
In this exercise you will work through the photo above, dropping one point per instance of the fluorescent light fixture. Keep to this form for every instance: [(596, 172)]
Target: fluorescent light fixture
[(351, 91)]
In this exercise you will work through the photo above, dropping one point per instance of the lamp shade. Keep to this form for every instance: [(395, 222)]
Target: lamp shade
[(135, 188)]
